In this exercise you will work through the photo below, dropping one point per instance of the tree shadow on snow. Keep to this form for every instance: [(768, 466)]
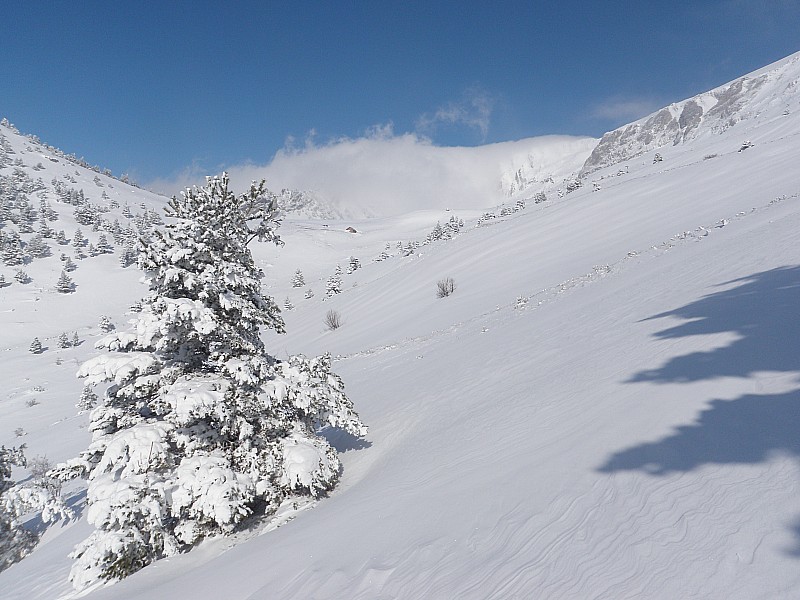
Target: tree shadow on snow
[(745, 430), (341, 441), (762, 310), (796, 550)]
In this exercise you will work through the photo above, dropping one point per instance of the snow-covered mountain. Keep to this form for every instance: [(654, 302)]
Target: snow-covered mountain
[(297, 204), (605, 407), (755, 104)]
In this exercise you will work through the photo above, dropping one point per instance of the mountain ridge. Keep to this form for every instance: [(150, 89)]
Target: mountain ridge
[(766, 93)]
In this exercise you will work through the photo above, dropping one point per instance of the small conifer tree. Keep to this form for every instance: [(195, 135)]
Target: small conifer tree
[(334, 284), (64, 285), (87, 401), (353, 265), (103, 247), (297, 279), (105, 324), (36, 346)]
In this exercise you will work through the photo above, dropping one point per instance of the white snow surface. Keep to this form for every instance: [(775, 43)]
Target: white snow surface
[(606, 407)]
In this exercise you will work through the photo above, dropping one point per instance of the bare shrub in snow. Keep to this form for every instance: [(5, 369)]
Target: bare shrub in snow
[(445, 287), (333, 320)]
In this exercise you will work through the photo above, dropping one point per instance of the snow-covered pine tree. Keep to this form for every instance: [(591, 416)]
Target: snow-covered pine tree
[(200, 427), (36, 346), (353, 265), (15, 542), (105, 324), (103, 247), (63, 340), (287, 304), (87, 401), (129, 255), (86, 213), (309, 294), (44, 229), (64, 285), (21, 276), (12, 252), (334, 284), (297, 279), (41, 495)]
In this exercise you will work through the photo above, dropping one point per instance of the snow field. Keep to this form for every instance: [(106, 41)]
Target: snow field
[(628, 430)]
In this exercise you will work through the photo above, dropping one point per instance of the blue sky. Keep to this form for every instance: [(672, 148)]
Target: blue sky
[(154, 89)]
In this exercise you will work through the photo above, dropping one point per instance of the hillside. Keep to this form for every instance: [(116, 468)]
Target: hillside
[(606, 407), (748, 104)]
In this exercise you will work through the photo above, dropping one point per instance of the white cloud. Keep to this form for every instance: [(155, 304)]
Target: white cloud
[(474, 111), (620, 110), (383, 173), (194, 174)]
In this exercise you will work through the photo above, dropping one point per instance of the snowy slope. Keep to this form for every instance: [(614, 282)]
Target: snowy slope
[(39, 389), (606, 407), (754, 105)]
